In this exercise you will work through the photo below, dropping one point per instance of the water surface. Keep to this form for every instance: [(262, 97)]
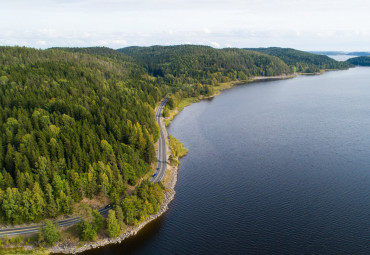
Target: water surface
[(278, 167), (342, 57)]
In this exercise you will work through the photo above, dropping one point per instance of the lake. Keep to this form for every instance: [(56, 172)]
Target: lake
[(274, 167), (341, 57)]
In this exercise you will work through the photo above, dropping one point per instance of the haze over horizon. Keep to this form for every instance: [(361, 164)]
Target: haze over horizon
[(331, 25)]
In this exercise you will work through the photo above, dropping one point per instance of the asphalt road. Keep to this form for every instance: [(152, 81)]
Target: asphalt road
[(35, 228), (161, 154), (158, 176)]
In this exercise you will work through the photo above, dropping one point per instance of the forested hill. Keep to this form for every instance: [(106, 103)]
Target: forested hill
[(302, 61), (113, 55), (71, 126), (359, 61), (191, 64)]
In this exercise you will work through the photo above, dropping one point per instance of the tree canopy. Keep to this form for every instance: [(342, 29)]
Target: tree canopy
[(359, 61), (72, 125), (191, 64), (301, 61)]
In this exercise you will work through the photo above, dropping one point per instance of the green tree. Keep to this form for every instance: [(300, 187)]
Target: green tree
[(50, 232), (86, 231), (113, 226), (120, 217), (98, 220)]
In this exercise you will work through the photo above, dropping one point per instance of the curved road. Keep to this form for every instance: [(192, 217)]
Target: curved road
[(158, 176), (35, 228), (161, 154)]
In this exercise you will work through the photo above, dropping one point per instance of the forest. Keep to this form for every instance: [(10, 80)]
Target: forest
[(72, 125), (301, 61), (359, 61), (190, 64), (79, 123)]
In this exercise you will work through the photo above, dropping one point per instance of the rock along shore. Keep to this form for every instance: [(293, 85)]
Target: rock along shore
[(130, 231), (169, 182)]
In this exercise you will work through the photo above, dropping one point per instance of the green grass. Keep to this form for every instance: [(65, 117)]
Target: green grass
[(22, 251), (226, 85), (178, 150), (186, 102), (182, 104)]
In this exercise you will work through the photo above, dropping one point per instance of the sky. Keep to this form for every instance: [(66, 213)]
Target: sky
[(339, 25)]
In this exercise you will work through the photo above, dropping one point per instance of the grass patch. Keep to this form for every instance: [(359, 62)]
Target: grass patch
[(182, 104), (22, 251), (177, 148), (226, 85)]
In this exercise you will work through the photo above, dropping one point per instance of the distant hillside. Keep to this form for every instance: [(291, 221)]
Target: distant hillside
[(328, 53), (353, 53), (98, 51), (191, 64), (302, 61), (359, 61), (126, 63), (359, 53)]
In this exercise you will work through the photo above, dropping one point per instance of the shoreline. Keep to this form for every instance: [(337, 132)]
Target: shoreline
[(169, 181), (228, 85), (223, 86), (170, 178), (131, 231)]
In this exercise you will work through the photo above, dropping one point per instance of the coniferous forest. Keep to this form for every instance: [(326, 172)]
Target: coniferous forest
[(71, 126), (360, 61), (76, 123), (301, 61)]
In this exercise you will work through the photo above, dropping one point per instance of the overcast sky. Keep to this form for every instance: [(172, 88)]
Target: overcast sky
[(302, 24)]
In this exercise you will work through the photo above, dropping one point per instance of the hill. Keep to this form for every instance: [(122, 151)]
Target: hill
[(359, 61), (301, 61), (359, 53), (192, 64)]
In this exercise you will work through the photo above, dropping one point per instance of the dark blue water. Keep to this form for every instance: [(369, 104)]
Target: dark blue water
[(278, 167)]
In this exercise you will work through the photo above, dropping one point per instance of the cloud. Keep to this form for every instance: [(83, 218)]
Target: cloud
[(215, 44), (41, 43), (207, 31), (329, 24)]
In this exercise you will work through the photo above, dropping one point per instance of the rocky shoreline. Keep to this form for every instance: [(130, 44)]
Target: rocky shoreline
[(169, 196), (169, 182)]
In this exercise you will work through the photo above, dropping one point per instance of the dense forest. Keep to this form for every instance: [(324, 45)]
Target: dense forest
[(192, 64), (80, 122), (301, 61), (359, 61), (71, 126)]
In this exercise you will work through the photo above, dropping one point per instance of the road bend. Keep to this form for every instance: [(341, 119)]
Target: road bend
[(35, 228)]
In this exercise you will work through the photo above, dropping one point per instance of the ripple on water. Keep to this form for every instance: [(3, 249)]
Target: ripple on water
[(278, 167)]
